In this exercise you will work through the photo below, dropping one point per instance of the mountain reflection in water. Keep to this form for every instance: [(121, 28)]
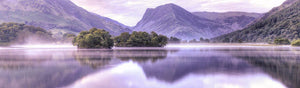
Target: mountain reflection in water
[(217, 67), (131, 75)]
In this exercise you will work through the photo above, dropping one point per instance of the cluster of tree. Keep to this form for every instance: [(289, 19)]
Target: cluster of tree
[(15, 33), (282, 41), (140, 39), (174, 40), (94, 38), (98, 38), (284, 24), (201, 40)]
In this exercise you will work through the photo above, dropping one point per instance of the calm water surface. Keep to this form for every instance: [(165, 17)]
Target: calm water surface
[(198, 67)]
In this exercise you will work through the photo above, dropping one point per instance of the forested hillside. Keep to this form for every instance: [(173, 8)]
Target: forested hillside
[(281, 22), (14, 33)]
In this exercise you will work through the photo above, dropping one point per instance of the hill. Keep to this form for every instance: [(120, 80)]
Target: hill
[(281, 22), (58, 16), (172, 20)]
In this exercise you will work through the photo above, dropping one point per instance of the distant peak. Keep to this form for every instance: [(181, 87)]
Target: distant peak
[(169, 5)]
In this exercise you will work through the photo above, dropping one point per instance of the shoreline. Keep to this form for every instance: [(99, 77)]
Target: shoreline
[(171, 45)]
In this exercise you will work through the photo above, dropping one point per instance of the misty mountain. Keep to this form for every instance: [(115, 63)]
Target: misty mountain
[(235, 20), (280, 22), (172, 20), (58, 16)]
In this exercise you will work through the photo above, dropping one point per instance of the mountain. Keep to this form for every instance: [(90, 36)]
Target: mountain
[(172, 20), (280, 22), (235, 20), (58, 16)]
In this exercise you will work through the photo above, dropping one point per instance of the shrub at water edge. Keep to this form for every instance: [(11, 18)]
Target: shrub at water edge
[(296, 43)]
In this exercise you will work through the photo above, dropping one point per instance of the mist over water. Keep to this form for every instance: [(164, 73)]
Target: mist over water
[(45, 46)]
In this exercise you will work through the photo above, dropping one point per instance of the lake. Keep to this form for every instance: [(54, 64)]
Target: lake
[(170, 67)]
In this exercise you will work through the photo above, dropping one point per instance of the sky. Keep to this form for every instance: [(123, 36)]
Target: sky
[(129, 12)]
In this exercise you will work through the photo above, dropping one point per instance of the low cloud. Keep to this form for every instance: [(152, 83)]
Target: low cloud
[(129, 12)]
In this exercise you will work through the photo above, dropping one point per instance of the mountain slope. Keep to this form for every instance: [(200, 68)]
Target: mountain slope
[(281, 22), (235, 20), (172, 20), (55, 15)]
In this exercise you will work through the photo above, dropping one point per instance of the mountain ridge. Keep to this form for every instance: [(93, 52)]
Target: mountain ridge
[(235, 20), (173, 20), (56, 15)]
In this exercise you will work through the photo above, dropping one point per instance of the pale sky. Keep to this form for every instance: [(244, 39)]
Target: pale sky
[(129, 12)]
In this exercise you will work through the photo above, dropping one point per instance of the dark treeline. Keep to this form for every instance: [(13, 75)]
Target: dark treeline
[(201, 40)]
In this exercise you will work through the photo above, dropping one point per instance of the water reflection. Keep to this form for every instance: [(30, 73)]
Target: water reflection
[(196, 62), (101, 58), (131, 75), (142, 56), (37, 68), (235, 67), (282, 65), (94, 58), (191, 68), (50, 68)]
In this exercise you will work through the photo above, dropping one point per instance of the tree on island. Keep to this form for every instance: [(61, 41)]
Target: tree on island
[(122, 39), (140, 39), (158, 40), (94, 38)]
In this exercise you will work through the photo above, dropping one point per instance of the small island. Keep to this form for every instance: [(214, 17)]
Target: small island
[(99, 38)]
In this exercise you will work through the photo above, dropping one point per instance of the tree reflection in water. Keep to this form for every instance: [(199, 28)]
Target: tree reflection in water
[(283, 65), (94, 58), (102, 58), (141, 56)]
